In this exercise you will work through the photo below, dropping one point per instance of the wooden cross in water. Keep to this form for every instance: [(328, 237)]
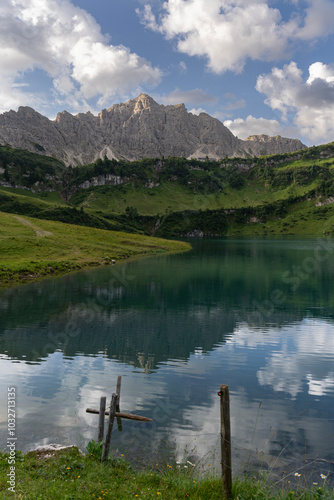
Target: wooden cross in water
[(113, 412)]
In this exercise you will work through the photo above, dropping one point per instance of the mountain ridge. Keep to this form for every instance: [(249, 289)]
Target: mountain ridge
[(139, 128)]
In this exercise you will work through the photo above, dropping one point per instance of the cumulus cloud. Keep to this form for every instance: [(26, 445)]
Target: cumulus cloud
[(253, 126), (311, 100), (228, 32), (66, 42), (318, 20)]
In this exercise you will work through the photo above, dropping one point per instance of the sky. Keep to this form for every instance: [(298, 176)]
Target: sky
[(259, 66)]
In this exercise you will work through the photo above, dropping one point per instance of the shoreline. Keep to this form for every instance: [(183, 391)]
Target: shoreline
[(34, 249), (70, 473)]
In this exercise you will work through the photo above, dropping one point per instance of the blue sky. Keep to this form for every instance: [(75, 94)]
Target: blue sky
[(260, 66)]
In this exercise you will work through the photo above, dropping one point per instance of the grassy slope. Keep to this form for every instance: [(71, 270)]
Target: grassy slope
[(31, 248), (304, 219), (39, 199), (70, 475), (174, 197), (281, 177)]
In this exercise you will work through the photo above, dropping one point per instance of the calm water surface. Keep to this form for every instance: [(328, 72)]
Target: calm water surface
[(256, 314)]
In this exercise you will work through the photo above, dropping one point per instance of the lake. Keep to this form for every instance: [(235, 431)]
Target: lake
[(255, 314)]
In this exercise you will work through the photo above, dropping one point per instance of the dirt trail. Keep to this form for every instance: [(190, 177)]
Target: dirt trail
[(39, 232)]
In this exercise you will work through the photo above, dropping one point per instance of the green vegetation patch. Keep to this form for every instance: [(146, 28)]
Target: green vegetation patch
[(175, 196), (32, 248), (69, 474)]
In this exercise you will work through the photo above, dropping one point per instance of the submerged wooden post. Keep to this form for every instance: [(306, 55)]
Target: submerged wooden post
[(101, 418), (106, 445), (225, 433), (127, 416), (118, 399)]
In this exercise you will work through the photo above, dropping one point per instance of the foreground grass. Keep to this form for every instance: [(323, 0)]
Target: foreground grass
[(71, 475), (33, 248)]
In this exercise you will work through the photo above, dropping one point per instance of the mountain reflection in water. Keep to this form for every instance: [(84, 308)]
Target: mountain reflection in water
[(256, 314)]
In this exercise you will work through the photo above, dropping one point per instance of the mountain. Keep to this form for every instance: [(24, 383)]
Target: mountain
[(139, 128), (259, 145)]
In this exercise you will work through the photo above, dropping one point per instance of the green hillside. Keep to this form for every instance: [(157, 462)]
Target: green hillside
[(31, 248), (280, 194)]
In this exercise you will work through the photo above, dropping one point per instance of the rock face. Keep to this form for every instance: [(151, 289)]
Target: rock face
[(260, 145), (139, 128)]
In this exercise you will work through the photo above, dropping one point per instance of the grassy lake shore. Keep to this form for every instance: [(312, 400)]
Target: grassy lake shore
[(70, 474), (31, 249)]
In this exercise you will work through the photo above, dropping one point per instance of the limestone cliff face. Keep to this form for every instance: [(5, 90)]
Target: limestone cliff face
[(133, 130), (263, 144)]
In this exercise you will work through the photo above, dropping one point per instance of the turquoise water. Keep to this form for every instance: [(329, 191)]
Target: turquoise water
[(256, 314)]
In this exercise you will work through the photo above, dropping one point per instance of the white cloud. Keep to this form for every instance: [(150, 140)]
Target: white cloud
[(312, 101), (66, 42), (148, 18), (319, 20), (183, 66), (228, 32), (197, 111), (12, 95), (253, 126), (322, 71)]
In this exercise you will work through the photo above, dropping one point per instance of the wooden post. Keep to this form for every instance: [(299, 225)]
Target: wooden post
[(225, 432), (106, 445), (127, 416), (101, 419), (118, 394), (118, 391)]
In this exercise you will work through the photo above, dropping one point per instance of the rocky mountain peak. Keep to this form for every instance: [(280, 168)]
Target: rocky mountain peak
[(138, 128)]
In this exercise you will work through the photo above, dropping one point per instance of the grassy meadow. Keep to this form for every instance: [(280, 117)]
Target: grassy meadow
[(32, 248), (69, 474)]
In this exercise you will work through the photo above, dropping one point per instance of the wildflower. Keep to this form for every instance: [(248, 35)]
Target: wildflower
[(193, 465), (122, 455), (79, 477), (323, 476), (185, 466), (178, 462), (68, 468), (297, 475), (315, 484)]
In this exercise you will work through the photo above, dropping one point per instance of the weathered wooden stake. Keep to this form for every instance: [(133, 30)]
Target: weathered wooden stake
[(118, 391), (118, 400), (101, 419), (225, 432), (106, 445), (127, 416)]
